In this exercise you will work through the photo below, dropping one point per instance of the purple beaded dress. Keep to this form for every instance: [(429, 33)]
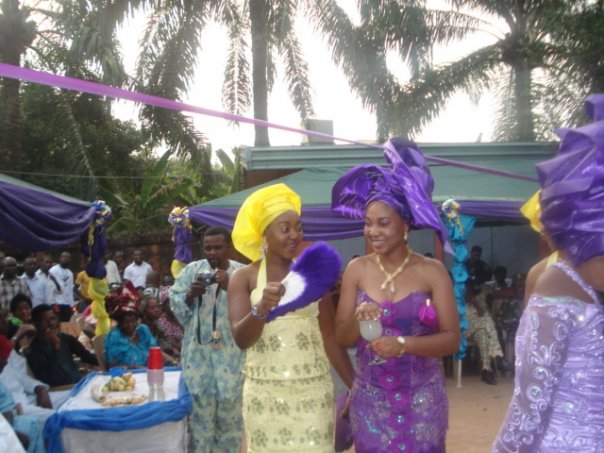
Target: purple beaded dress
[(400, 405), (558, 402)]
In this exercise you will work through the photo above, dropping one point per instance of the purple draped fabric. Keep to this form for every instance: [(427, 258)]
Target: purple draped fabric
[(96, 266), (182, 251), (320, 223), (33, 220)]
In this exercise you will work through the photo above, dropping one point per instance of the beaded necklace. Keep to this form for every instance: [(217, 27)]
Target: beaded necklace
[(391, 276)]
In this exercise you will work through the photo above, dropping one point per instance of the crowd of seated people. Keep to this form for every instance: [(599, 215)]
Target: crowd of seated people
[(42, 357), (493, 310)]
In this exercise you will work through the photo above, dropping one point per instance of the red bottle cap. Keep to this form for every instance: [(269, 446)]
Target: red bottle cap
[(155, 359)]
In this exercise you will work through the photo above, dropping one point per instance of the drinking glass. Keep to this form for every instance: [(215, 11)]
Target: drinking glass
[(372, 330)]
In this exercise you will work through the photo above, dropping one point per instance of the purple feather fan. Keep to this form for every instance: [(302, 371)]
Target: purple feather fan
[(313, 274)]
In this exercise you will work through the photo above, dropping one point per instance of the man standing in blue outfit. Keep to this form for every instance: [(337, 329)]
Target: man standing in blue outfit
[(211, 361)]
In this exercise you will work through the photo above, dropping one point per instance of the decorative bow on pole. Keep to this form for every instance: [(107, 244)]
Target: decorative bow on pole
[(94, 246), (179, 219)]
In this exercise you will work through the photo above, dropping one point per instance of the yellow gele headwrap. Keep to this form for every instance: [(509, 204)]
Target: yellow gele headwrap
[(532, 211), (257, 212)]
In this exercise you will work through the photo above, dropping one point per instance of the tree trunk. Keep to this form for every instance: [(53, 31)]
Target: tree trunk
[(259, 21), (10, 129), (525, 128)]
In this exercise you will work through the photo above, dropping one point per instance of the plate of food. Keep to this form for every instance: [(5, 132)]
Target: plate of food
[(117, 392)]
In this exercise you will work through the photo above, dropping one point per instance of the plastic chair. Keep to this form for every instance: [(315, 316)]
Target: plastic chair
[(71, 328)]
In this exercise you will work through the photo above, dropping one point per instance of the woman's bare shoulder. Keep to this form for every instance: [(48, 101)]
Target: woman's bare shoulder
[(247, 273), (360, 263), (429, 264), (553, 282)]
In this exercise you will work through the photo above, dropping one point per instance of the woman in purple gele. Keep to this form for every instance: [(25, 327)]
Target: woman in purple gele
[(558, 402), (398, 400)]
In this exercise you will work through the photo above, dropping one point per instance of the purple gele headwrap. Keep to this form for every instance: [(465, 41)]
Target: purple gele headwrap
[(572, 195), (406, 187)]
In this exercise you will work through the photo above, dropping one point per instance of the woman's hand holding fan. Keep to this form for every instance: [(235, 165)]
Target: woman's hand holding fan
[(312, 275)]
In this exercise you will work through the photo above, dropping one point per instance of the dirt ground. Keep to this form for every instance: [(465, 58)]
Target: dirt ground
[(475, 413)]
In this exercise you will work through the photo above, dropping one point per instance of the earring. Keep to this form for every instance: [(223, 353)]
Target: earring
[(406, 235), (263, 247)]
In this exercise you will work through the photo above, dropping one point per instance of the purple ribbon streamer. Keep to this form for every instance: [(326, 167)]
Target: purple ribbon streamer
[(70, 83)]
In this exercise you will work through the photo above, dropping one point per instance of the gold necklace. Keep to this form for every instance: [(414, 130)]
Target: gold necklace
[(391, 276)]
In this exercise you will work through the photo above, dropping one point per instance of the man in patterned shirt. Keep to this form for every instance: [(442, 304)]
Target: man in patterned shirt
[(211, 361), (10, 283)]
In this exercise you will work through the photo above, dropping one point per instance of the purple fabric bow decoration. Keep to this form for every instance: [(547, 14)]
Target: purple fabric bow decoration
[(572, 195), (407, 187), (427, 315)]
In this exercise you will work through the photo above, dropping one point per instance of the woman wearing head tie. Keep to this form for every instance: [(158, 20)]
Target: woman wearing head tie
[(398, 400), (558, 402), (288, 392)]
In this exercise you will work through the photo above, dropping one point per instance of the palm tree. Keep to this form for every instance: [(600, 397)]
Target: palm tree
[(540, 55), (410, 29), (170, 55), (61, 40), (580, 38), (16, 35)]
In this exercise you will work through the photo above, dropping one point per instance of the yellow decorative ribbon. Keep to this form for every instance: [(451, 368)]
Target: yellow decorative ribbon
[(97, 291)]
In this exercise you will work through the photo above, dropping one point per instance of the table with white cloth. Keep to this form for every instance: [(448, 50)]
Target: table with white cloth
[(82, 424)]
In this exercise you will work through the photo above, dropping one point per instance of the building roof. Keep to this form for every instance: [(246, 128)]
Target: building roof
[(491, 198)]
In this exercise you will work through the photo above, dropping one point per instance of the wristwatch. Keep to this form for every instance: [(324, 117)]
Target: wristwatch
[(402, 342), (256, 314)]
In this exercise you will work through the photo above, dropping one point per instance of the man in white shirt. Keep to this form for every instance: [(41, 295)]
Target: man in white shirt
[(52, 285), (137, 271), (113, 273), (36, 282), (64, 277), (33, 395)]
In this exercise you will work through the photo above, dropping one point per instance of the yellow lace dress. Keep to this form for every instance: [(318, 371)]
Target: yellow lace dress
[(288, 400)]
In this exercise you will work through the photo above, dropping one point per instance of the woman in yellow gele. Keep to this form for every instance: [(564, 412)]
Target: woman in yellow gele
[(288, 396)]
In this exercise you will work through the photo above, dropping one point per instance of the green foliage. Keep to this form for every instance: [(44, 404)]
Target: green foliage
[(169, 181), (48, 143), (147, 203)]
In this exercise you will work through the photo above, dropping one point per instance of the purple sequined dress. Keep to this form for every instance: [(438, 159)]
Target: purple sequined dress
[(400, 405), (558, 402)]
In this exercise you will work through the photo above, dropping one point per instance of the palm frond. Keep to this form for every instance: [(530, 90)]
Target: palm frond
[(237, 86), (420, 100), (296, 74), (82, 164)]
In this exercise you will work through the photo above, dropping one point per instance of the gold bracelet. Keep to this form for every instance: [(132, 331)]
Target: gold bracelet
[(401, 340)]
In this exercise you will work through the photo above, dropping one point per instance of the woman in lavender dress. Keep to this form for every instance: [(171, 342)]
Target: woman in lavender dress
[(398, 400), (558, 402)]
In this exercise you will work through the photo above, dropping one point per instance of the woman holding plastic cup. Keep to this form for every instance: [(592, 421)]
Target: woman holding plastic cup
[(397, 306)]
